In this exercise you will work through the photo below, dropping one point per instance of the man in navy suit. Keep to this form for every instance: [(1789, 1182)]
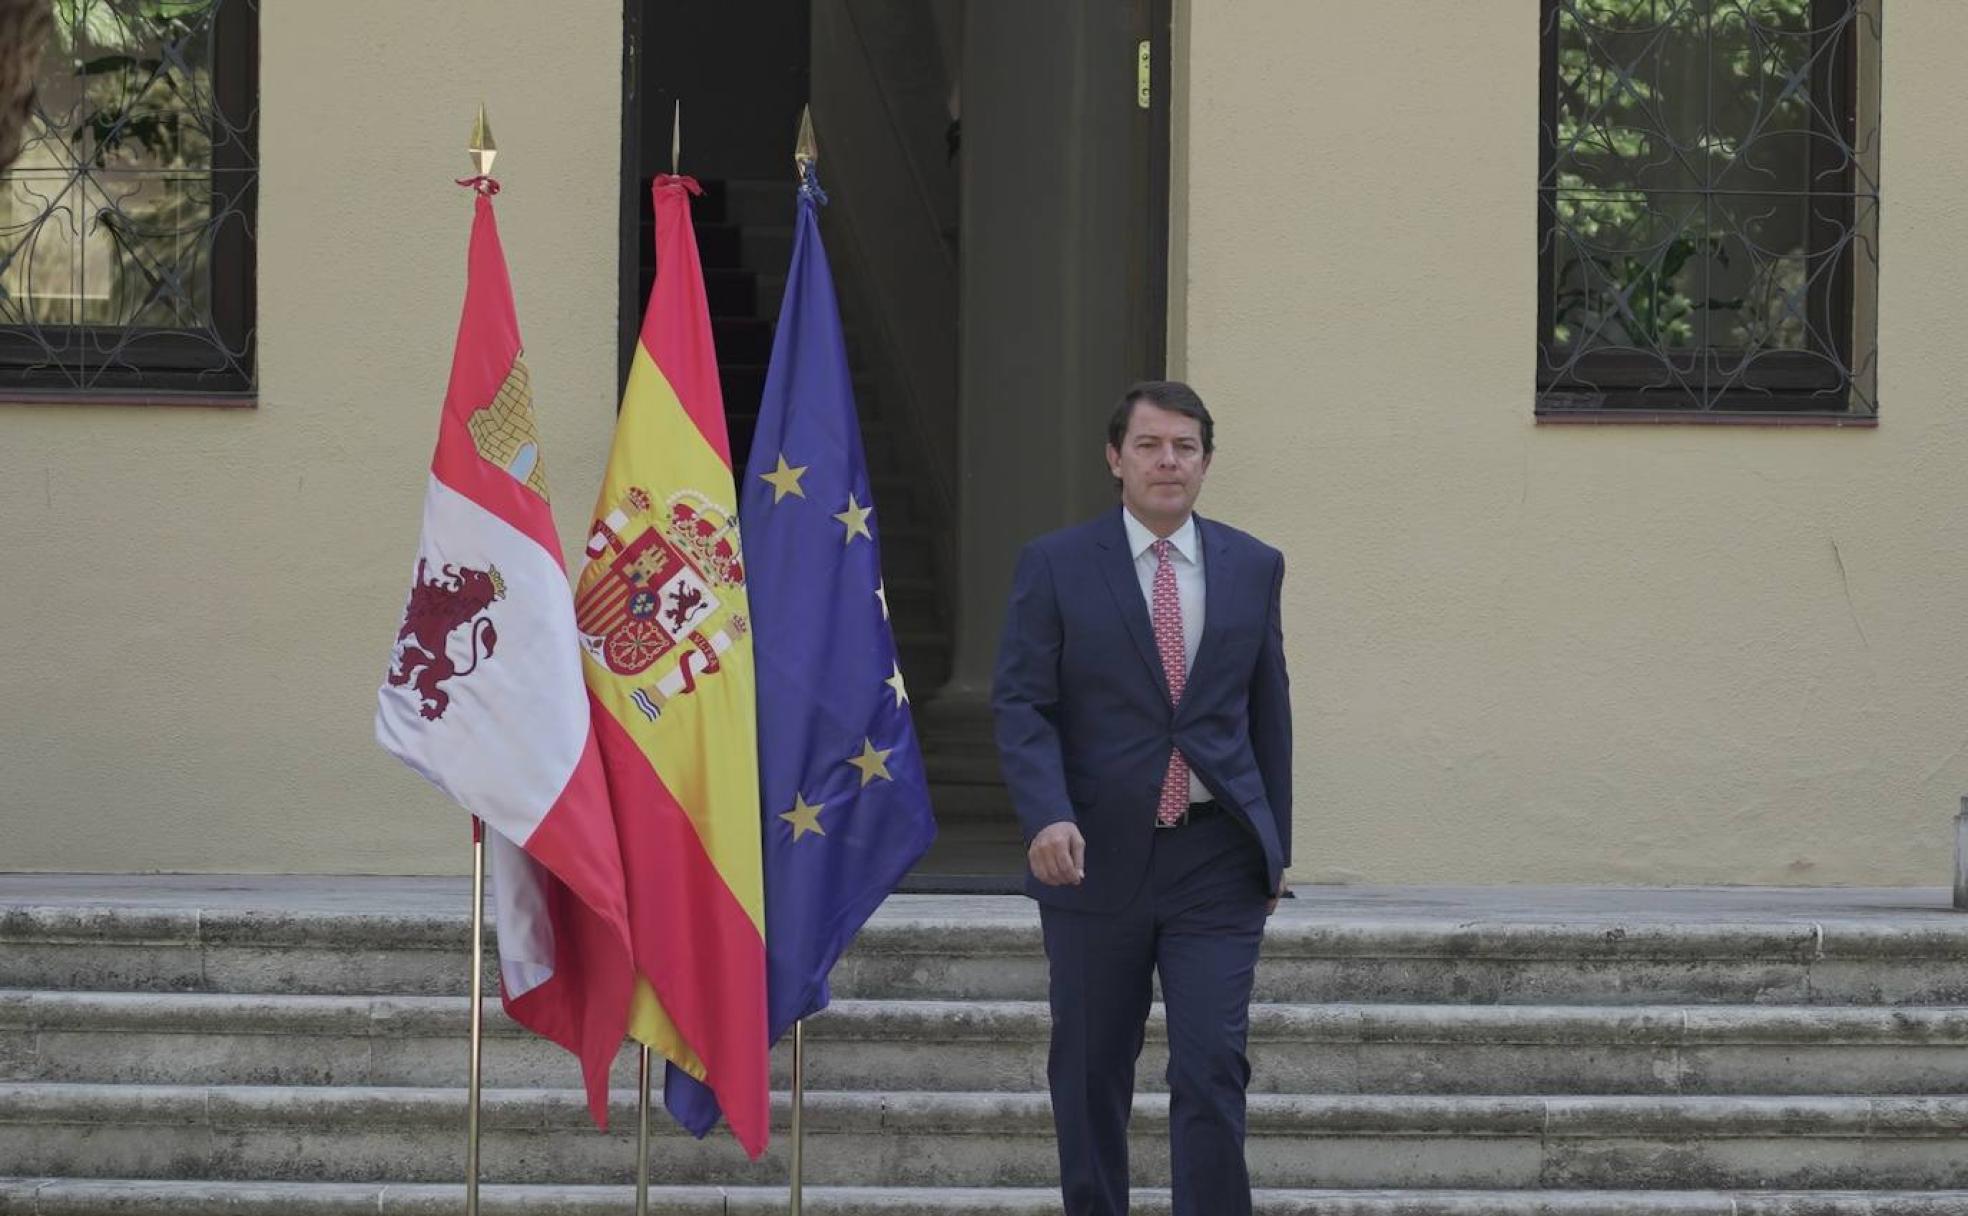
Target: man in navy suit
[(1144, 727)]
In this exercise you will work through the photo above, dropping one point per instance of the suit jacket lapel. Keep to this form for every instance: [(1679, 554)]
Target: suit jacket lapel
[(1117, 565)]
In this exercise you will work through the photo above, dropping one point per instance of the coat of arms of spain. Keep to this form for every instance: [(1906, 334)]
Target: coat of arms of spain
[(655, 596)]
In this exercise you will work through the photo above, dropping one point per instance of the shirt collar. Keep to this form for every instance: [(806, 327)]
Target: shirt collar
[(1140, 538)]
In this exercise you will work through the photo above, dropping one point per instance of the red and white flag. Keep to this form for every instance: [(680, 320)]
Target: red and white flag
[(485, 695)]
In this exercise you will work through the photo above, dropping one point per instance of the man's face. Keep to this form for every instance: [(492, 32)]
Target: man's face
[(1160, 464)]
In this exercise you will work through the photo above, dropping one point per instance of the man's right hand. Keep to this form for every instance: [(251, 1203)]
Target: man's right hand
[(1058, 855)]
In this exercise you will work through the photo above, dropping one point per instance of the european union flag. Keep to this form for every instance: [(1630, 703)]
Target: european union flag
[(846, 806)]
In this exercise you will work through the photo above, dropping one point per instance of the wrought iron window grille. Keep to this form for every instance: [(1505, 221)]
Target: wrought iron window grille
[(1708, 209), (127, 224)]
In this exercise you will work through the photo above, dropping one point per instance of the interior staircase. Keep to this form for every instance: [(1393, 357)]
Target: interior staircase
[(245, 1046), (744, 237)]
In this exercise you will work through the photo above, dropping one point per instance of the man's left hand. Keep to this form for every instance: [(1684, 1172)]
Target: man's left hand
[(1284, 889)]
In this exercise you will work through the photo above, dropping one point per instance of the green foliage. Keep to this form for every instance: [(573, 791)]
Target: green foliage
[(123, 25), (122, 88), (135, 97), (1656, 99)]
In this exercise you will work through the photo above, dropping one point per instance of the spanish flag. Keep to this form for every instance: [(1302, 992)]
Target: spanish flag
[(665, 632)]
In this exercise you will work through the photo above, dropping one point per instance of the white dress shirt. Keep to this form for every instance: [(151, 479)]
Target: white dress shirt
[(1186, 555)]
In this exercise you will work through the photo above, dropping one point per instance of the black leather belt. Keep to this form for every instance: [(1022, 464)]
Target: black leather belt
[(1197, 810)]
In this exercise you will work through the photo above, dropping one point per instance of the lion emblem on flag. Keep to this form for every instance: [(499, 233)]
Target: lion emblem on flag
[(438, 607), (648, 601)]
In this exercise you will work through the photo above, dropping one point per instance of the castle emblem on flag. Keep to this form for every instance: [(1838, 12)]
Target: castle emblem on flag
[(648, 595), (504, 433), (437, 608)]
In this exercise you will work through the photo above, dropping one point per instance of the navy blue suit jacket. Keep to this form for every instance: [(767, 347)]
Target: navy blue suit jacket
[(1084, 722)]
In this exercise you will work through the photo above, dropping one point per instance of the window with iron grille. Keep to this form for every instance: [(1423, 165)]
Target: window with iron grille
[(126, 224), (1708, 207)]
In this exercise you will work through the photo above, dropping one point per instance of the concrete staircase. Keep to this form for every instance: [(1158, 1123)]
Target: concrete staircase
[(199, 1046), (979, 848)]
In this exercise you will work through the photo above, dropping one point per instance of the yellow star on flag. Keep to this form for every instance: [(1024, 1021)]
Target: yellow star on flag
[(804, 818), (895, 682), (856, 519), (872, 762), (784, 480), (881, 593)]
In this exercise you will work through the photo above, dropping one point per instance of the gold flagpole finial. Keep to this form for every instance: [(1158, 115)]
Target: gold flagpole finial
[(676, 137), (482, 148), (806, 150)]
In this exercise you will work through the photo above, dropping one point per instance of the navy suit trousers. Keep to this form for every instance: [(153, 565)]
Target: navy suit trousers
[(1197, 919)]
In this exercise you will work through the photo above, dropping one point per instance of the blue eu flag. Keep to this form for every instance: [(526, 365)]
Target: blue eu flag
[(846, 807)]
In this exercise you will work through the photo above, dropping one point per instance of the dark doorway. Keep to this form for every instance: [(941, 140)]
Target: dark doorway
[(999, 232)]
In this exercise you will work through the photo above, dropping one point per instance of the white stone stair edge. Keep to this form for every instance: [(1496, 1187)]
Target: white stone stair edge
[(1015, 929), (104, 1197), (858, 1019), (970, 1113)]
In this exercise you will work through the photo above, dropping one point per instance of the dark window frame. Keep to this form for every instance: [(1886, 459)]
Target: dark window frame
[(1781, 386), (156, 365)]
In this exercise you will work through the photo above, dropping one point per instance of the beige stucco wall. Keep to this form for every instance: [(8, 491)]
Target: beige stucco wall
[(1524, 653), (1521, 653), (197, 605)]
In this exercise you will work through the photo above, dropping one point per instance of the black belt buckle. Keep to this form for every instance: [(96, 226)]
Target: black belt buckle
[(1191, 813)]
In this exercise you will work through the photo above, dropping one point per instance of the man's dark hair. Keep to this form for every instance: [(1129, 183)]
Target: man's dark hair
[(1172, 395)]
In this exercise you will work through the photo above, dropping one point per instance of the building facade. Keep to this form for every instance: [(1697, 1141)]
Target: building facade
[(1526, 647)]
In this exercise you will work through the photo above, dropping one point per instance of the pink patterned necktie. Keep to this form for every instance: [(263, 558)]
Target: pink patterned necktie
[(1175, 664)]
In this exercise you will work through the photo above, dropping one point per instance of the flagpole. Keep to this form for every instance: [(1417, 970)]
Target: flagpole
[(477, 1014), (483, 150), (799, 1111), (642, 1056), (806, 154), (642, 1132)]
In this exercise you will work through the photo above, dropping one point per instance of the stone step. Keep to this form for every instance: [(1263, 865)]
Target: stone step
[(226, 1039), (766, 249), (913, 599), (907, 550), (771, 293), (973, 762), (975, 844), (731, 293), (742, 340), (903, 1139), (970, 862), (924, 656), (118, 1197), (981, 947), (759, 202), (978, 803), (893, 495)]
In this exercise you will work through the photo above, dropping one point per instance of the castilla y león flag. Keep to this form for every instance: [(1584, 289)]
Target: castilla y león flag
[(661, 607), (484, 695)]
